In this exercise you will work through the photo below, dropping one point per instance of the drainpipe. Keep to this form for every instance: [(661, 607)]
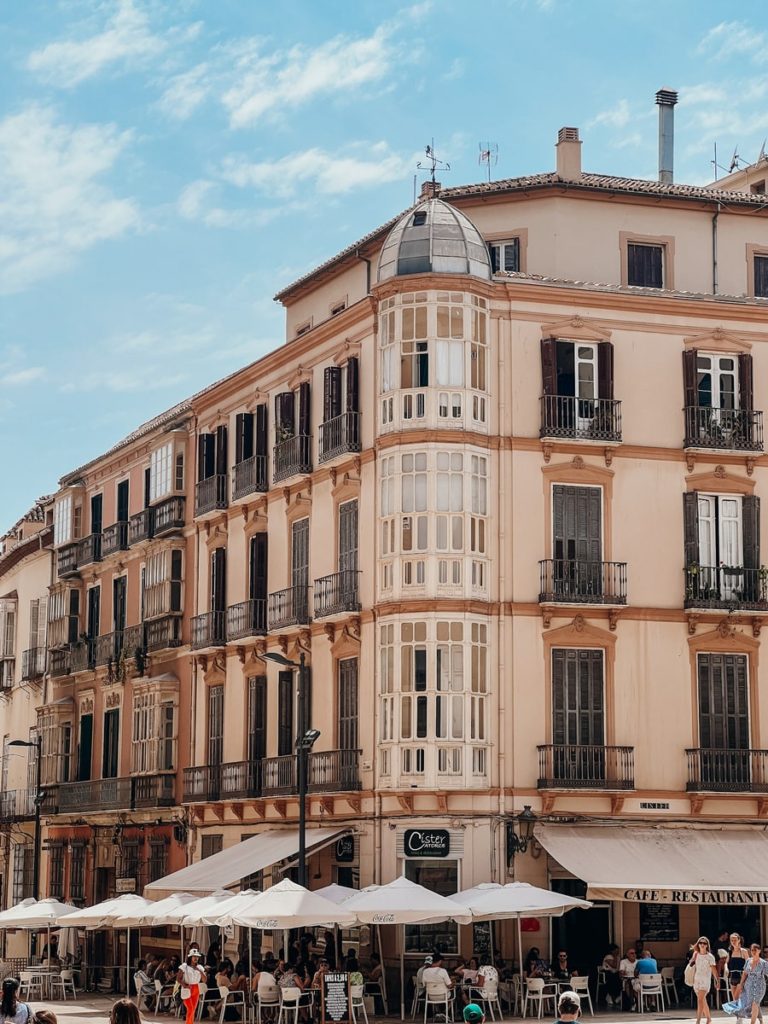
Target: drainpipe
[(367, 263), (715, 216)]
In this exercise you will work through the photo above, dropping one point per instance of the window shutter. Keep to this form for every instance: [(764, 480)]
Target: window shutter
[(284, 414), (243, 436), (549, 365), (74, 616), (261, 430), (691, 527), (147, 483), (305, 411), (34, 622), (219, 580), (558, 697), (42, 623), (259, 566), (206, 455), (605, 370), (353, 384), (750, 514), (221, 451), (331, 392), (176, 571), (746, 387), (305, 712), (284, 713), (690, 388)]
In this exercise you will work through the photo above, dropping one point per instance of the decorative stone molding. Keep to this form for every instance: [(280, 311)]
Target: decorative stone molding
[(578, 623), (577, 327), (113, 699), (577, 462), (301, 375), (613, 618), (718, 340), (346, 351), (546, 451), (693, 621), (749, 463), (608, 456)]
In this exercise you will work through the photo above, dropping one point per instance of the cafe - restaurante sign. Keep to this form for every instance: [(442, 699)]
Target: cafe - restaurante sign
[(697, 897), (426, 842)]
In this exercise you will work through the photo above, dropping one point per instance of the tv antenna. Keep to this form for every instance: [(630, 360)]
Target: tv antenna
[(719, 167), (761, 154), (489, 154), (432, 162)]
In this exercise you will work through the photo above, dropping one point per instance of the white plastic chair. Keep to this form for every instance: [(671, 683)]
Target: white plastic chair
[(668, 984), (723, 992), (580, 985), (267, 998), (163, 994), (230, 997), (489, 996), (290, 1003), (29, 983), (200, 1002), (650, 988), (437, 994), (357, 1002), (601, 983), (537, 992), (418, 995), (55, 983)]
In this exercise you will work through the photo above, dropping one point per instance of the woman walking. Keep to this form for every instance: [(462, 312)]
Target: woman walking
[(752, 987), (190, 976), (737, 958), (704, 971)]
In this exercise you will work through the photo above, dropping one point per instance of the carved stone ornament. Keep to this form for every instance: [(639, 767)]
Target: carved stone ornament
[(546, 451), (330, 631), (578, 623), (726, 629), (608, 454), (282, 643), (113, 699), (613, 618), (750, 465), (578, 462), (546, 616), (720, 472), (757, 625), (86, 706), (690, 462), (693, 621), (304, 640)]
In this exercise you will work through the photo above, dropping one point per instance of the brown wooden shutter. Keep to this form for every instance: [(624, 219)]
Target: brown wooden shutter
[(691, 527), (331, 393), (284, 713), (549, 365), (258, 567), (305, 410), (285, 420), (221, 451), (746, 387), (605, 370), (261, 430), (750, 515), (243, 436), (353, 384), (206, 456), (558, 696), (690, 387), (305, 711), (74, 616)]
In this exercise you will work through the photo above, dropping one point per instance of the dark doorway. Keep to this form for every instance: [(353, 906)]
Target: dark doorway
[(584, 934), (744, 920)]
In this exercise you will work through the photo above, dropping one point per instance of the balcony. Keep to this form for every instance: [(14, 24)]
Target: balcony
[(59, 661), (328, 771), (17, 805), (169, 516), (727, 771), (66, 561), (114, 539), (6, 674), (292, 456), (141, 526), (33, 664), (208, 630), (210, 495), (575, 766), (89, 550), (163, 633), (732, 588), (124, 642), (82, 656), (340, 435), (248, 618), (289, 607), (250, 477), (572, 581), (582, 419), (337, 593), (724, 429), (154, 790), (116, 794)]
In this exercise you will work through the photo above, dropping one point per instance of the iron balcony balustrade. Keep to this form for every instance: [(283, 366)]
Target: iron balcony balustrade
[(337, 593), (339, 435), (578, 766), (66, 561), (89, 550), (17, 805), (329, 771), (33, 663), (289, 607), (127, 642), (163, 633), (208, 630), (573, 581), (291, 456), (732, 588), (59, 662), (250, 477), (141, 526), (723, 429), (248, 618), (712, 770), (169, 516), (82, 656), (114, 538), (128, 793), (6, 674), (583, 419), (210, 495)]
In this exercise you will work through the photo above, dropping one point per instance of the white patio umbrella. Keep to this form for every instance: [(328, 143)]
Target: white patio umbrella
[(31, 915), (158, 913), (108, 915), (404, 902), (24, 905), (468, 896), (237, 901), (288, 905)]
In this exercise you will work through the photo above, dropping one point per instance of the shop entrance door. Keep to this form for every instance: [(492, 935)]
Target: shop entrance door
[(584, 934), (744, 920)]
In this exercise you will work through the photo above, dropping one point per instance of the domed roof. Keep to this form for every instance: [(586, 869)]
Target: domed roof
[(434, 237)]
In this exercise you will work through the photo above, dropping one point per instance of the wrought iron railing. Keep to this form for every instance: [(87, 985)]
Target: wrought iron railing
[(89, 549), (169, 516), (66, 560), (250, 476), (726, 586), (727, 770), (574, 581), (154, 790), (728, 429), (141, 526), (114, 538), (340, 435), (328, 771), (291, 456), (59, 662), (208, 630), (337, 593), (248, 618), (82, 656), (289, 607), (210, 494), (124, 642), (33, 663), (125, 793), (576, 766), (588, 419), (17, 804), (161, 634)]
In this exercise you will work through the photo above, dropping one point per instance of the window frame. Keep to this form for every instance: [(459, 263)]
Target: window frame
[(667, 244), (753, 252), (502, 237)]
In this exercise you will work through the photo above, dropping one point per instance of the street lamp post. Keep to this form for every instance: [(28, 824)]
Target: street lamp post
[(306, 739), (37, 800)]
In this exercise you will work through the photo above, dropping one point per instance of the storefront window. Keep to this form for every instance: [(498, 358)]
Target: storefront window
[(441, 877)]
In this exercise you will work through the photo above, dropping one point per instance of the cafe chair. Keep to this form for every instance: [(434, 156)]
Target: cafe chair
[(669, 986), (723, 993), (418, 996), (488, 997), (29, 983), (267, 998), (163, 994), (230, 997), (200, 1002), (650, 988), (436, 994), (580, 985), (601, 983), (537, 992), (357, 1002), (290, 1003)]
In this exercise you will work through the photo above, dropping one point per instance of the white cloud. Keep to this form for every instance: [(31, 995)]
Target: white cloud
[(184, 93), (196, 203), (456, 70), (19, 377), (734, 39), (52, 202), (617, 116)]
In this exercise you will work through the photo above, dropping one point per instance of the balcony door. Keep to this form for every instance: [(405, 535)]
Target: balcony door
[(348, 705), (215, 742), (578, 715), (219, 580), (285, 685), (111, 750), (300, 568), (122, 502), (97, 505), (85, 748), (576, 374), (348, 540), (257, 718), (119, 603), (724, 720), (94, 614), (577, 541)]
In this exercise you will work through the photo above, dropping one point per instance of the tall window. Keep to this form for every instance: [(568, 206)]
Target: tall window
[(761, 276), (153, 740), (161, 472), (158, 858), (722, 534), (257, 718), (23, 871), (111, 756), (215, 725), (300, 568), (163, 583), (723, 760), (56, 870), (285, 686), (62, 520), (77, 872), (577, 697), (348, 705), (7, 628)]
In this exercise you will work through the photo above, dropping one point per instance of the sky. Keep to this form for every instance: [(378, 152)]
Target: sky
[(166, 166)]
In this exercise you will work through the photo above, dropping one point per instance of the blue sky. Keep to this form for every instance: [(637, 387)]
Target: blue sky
[(167, 165)]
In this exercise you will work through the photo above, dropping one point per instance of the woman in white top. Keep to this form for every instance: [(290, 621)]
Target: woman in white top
[(704, 971), (190, 976)]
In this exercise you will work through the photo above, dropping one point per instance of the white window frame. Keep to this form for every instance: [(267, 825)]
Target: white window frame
[(162, 470), (62, 520)]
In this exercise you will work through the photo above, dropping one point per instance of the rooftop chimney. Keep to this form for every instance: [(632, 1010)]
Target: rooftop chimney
[(666, 99), (429, 189), (568, 150)]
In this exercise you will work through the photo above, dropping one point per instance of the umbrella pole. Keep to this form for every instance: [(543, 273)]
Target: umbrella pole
[(250, 964), (520, 958), (128, 963), (383, 970), (402, 973)]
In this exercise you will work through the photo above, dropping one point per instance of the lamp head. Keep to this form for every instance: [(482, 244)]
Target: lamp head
[(280, 659)]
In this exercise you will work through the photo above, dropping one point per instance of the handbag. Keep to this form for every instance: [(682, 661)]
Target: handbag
[(689, 974)]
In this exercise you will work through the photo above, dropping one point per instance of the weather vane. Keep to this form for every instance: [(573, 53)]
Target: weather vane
[(489, 154), (433, 162)]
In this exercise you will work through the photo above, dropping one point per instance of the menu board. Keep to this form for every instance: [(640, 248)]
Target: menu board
[(335, 992), (659, 922), (481, 942)]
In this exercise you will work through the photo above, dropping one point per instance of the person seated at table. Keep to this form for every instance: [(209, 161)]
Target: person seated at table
[(317, 978), (534, 966), (486, 973), (145, 987), (505, 973), (466, 974), (352, 966), (560, 969), (152, 962), (436, 973), (290, 977), (329, 949), (239, 977), (627, 975), (610, 967), (646, 964), (213, 956), (374, 984), (51, 950)]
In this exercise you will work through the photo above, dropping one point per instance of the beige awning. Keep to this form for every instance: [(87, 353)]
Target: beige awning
[(663, 865), (230, 866)]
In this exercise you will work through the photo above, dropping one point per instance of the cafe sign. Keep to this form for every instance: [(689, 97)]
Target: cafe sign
[(692, 897), (426, 842)]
